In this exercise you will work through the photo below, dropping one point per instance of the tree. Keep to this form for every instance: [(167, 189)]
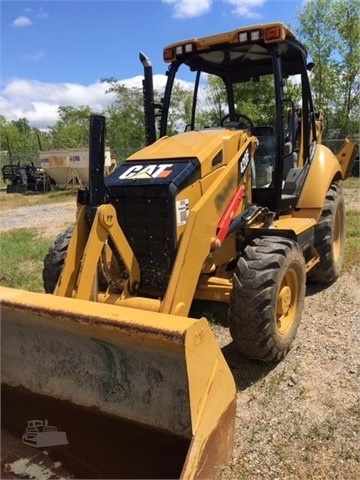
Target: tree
[(347, 24), (125, 118), (180, 108), (72, 128), (19, 142), (330, 29), (255, 99), (315, 31), (17, 137), (214, 105)]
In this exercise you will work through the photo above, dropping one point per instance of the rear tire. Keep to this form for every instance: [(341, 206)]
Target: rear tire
[(329, 238), (55, 259), (267, 299)]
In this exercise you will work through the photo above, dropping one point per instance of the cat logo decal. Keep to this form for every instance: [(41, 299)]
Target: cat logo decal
[(147, 171)]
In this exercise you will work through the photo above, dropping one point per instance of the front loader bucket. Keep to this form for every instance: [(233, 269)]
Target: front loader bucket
[(138, 394)]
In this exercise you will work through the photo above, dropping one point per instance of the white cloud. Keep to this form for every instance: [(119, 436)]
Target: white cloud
[(22, 21), (245, 8), (39, 101), (41, 13), (189, 8), (37, 12), (158, 81), (195, 8), (35, 57)]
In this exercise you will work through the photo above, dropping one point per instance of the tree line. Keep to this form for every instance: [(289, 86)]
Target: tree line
[(329, 29)]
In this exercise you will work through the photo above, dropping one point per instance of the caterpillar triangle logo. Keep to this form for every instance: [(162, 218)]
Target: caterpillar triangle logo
[(142, 175), (147, 171)]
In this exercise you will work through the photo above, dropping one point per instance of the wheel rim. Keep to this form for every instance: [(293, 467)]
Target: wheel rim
[(337, 237), (287, 302)]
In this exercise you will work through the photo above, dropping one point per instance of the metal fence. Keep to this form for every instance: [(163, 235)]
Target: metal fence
[(19, 158), (27, 158)]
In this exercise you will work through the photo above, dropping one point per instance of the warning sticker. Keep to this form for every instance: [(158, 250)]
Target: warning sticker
[(182, 212)]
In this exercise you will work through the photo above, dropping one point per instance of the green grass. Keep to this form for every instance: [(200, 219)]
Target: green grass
[(352, 245), (22, 255)]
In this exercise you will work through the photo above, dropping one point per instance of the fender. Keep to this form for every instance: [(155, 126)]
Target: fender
[(324, 169)]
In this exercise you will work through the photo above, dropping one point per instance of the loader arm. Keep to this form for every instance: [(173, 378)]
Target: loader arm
[(199, 238), (78, 279), (75, 280)]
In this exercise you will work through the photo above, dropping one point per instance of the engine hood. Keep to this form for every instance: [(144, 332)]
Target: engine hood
[(210, 146)]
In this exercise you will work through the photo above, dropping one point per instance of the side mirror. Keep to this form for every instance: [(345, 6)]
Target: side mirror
[(310, 66)]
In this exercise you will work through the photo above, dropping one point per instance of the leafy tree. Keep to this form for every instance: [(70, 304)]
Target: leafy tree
[(330, 29), (315, 21), (180, 109), (126, 121), (44, 139), (214, 106), (72, 128), (347, 24), (255, 99), (125, 118), (17, 137)]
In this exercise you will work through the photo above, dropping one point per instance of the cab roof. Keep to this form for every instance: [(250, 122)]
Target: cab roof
[(240, 54)]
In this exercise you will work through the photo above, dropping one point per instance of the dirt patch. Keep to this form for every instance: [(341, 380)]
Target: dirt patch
[(49, 219), (301, 418), (352, 199)]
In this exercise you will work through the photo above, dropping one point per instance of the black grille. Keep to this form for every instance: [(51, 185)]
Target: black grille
[(144, 195), (147, 219)]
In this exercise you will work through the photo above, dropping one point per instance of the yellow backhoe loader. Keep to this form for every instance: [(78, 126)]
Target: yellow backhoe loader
[(239, 208)]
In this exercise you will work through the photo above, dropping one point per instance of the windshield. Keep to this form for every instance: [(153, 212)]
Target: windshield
[(229, 80)]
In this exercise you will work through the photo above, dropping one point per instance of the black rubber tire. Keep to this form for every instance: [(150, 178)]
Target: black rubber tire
[(55, 259), (329, 238), (267, 299)]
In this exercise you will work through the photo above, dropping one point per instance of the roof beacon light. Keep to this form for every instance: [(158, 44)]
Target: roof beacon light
[(168, 54), (243, 36), (255, 35), (273, 34)]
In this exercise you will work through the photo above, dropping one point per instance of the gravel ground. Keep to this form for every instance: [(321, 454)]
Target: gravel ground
[(299, 419), (49, 219)]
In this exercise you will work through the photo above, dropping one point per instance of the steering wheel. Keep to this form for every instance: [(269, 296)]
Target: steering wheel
[(238, 116)]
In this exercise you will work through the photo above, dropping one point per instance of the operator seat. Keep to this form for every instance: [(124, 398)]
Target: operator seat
[(265, 155)]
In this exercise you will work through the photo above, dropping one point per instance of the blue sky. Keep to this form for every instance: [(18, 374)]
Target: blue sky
[(55, 52)]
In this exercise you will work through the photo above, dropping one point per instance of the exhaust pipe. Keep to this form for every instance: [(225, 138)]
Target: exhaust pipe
[(96, 165), (149, 106)]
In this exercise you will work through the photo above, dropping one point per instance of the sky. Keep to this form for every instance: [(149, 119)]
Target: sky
[(56, 52)]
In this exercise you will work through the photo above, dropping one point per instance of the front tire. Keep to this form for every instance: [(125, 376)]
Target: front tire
[(55, 259), (267, 299), (329, 238)]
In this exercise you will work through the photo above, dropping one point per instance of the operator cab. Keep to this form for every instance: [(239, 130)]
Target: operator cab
[(259, 84)]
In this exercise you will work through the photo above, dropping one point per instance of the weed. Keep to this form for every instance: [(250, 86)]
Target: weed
[(22, 254)]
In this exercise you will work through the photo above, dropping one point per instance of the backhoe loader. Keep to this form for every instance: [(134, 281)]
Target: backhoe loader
[(242, 205)]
